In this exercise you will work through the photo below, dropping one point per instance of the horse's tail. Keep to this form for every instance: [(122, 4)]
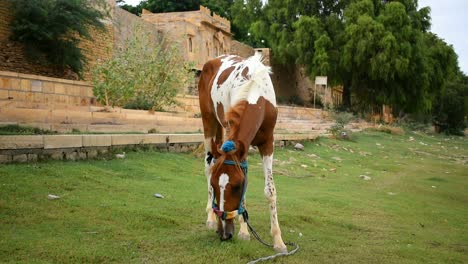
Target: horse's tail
[(257, 70), (257, 77)]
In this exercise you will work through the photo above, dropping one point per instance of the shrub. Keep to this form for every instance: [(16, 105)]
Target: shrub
[(338, 129), (450, 109), (51, 30), (147, 73)]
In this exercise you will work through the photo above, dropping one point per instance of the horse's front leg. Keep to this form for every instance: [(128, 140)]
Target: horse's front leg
[(211, 222), (270, 192), (243, 230)]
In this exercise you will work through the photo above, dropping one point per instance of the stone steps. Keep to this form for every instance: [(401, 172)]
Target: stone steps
[(66, 118)]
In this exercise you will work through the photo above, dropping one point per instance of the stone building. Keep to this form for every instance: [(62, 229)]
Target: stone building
[(201, 34)]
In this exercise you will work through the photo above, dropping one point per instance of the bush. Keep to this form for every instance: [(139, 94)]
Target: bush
[(450, 108), (338, 129), (51, 30), (146, 73)]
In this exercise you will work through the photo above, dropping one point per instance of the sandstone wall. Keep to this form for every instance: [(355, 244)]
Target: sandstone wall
[(13, 58), (40, 90), (125, 24), (241, 49)]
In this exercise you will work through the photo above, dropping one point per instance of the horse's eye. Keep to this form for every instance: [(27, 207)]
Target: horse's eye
[(236, 188)]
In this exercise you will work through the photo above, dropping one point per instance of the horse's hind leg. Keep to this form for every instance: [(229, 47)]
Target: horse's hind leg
[(211, 222), (266, 151)]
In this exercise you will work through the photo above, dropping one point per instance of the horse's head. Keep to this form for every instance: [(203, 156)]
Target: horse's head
[(228, 180)]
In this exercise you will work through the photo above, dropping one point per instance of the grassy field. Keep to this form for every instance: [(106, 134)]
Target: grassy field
[(412, 210)]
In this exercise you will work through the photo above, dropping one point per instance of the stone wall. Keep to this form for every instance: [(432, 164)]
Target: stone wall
[(33, 148), (13, 58), (241, 49), (200, 34), (125, 25), (40, 90)]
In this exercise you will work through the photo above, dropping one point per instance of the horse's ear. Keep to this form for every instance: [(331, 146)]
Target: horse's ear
[(215, 149)]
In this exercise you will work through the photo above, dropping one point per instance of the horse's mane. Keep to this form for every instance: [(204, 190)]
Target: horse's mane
[(233, 116)]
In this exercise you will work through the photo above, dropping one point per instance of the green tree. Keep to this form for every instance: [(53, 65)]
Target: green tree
[(51, 30), (220, 7), (243, 16), (391, 58), (451, 106), (147, 73)]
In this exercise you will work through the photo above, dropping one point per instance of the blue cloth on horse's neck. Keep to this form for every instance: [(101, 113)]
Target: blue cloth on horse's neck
[(228, 146)]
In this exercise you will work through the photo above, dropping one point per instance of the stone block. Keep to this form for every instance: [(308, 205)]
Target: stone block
[(105, 117), (127, 139), (24, 115), (185, 138), (9, 73), (5, 83), (5, 159), (72, 90), (110, 128), (17, 95), (71, 155), (20, 158), (32, 157), (21, 142), (38, 98), (92, 154), (155, 139), (68, 116), (36, 86), (57, 155), (97, 140), (59, 88), (3, 94), (25, 85), (82, 155), (102, 151), (63, 141), (48, 87)]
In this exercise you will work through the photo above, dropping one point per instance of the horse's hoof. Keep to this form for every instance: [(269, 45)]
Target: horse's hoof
[(211, 225), (243, 236), (282, 249)]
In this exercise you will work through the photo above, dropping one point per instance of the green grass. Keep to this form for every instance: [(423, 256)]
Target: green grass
[(413, 210), (23, 130)]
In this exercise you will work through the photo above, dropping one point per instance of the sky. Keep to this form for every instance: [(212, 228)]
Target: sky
[(449, 22)]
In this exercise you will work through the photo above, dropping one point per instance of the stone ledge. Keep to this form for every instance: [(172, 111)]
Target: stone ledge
[(21, 142), (63, 141), (79, 147), (105, 140), (42, 78)]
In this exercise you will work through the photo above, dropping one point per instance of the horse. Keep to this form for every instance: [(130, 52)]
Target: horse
[(238, 109)]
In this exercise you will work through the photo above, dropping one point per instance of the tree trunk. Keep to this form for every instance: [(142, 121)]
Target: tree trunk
[(347, 95)]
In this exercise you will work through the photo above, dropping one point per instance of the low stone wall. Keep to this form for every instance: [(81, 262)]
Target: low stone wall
[(37, 89), (35, 148)]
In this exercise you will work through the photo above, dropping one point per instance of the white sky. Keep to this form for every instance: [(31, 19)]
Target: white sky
[(449, 22)]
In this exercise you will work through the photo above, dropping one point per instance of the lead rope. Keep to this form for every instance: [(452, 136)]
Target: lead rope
[(255, 234)]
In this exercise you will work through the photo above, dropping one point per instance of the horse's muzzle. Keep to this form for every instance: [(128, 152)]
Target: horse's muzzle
[(226, 234)]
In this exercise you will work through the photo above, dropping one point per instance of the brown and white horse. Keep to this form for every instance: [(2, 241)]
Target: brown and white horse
[(238, 108)]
